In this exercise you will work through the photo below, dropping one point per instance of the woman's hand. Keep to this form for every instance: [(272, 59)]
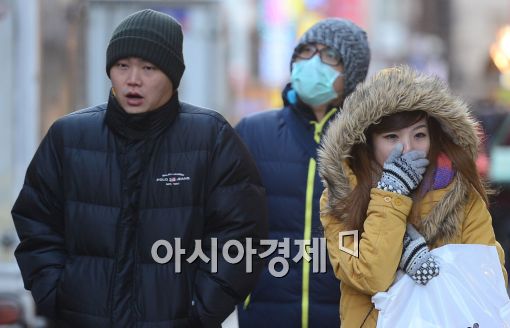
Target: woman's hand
[(402, 173), (416, 259)]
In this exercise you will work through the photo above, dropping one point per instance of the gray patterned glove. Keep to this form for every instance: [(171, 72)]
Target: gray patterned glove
[(403, 173), (416, 259)]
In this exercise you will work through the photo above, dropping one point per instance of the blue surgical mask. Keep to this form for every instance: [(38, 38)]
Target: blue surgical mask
[(313, 81)]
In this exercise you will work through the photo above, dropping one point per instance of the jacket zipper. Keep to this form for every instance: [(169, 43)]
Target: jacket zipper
[(307, 234)]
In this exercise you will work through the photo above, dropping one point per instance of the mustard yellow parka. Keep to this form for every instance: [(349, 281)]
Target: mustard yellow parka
[(453, 215)]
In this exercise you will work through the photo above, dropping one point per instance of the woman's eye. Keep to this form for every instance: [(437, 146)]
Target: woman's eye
[(420, 135), (148, 68), (391, 137)]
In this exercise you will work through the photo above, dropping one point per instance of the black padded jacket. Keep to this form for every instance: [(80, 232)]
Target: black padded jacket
[(94, 202)]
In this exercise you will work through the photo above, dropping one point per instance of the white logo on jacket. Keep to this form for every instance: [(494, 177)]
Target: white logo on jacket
[(173, 179)]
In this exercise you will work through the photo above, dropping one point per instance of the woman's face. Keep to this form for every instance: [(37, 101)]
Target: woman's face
[(414, 137)]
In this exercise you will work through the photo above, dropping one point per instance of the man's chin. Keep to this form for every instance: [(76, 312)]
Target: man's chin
[(135, 109)]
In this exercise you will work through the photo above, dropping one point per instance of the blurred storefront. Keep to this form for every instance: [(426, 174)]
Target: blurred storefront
[(19, 104)]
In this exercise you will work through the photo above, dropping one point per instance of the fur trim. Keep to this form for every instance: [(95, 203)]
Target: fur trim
[(391, 91)]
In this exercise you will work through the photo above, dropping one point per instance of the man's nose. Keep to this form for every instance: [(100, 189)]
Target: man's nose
[(133, 76)]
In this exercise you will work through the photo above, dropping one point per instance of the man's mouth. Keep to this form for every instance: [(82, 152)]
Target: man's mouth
[(134, 99)]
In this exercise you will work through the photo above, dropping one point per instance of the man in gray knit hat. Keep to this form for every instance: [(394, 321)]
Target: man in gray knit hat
[(342, 45), (330, 59), (126, 205)]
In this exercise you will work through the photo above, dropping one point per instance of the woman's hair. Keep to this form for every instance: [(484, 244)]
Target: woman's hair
[(368, 171)]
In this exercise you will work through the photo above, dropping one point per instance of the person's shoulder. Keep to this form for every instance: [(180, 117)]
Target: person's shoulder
[(72, 126), (196, 113), (89, 110), (260, 122), (262, 118), (81, 118)]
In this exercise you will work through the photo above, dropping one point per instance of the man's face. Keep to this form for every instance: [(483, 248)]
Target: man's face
[(139, 85), (328, 56)]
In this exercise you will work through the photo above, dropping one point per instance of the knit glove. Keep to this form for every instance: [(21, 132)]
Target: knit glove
[(403, 173), (416, 259)]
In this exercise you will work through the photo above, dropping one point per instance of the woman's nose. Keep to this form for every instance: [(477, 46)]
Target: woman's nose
[(407, 146)]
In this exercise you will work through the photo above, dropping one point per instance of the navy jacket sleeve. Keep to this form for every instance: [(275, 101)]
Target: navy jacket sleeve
[(38, 218), (235, 210)]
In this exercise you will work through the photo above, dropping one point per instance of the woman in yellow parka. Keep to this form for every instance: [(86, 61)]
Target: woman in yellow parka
[(399, 169)]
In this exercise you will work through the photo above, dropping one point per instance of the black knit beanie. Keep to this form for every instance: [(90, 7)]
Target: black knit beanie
[(152, 36), (351, 43)]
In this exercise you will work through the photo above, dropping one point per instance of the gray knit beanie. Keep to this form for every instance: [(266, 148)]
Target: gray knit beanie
[(351, 43), (153, 36)]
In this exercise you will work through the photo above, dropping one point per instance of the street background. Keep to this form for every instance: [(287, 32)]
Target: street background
[(237, 55)]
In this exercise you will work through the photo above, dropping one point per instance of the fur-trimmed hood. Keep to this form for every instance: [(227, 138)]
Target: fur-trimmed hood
[(390, 91)]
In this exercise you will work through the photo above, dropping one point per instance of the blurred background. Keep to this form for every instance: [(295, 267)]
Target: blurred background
[(237, 55)]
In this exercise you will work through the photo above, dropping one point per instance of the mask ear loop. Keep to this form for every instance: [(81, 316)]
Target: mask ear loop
[(292, 96)]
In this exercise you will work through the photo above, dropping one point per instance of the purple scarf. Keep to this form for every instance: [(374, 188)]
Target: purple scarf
[(444, 172)]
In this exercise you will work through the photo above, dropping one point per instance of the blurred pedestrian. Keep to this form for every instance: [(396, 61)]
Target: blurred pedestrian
[(399, 169), (108, 182), (330, 59)]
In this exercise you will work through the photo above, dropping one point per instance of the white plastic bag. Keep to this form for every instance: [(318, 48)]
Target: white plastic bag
[(469, 292)]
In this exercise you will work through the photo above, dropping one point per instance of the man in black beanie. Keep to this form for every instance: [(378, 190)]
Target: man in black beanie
[(127, 206), (329, 60)]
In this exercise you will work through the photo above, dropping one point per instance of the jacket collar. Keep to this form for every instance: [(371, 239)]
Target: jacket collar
[(143, 125)]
